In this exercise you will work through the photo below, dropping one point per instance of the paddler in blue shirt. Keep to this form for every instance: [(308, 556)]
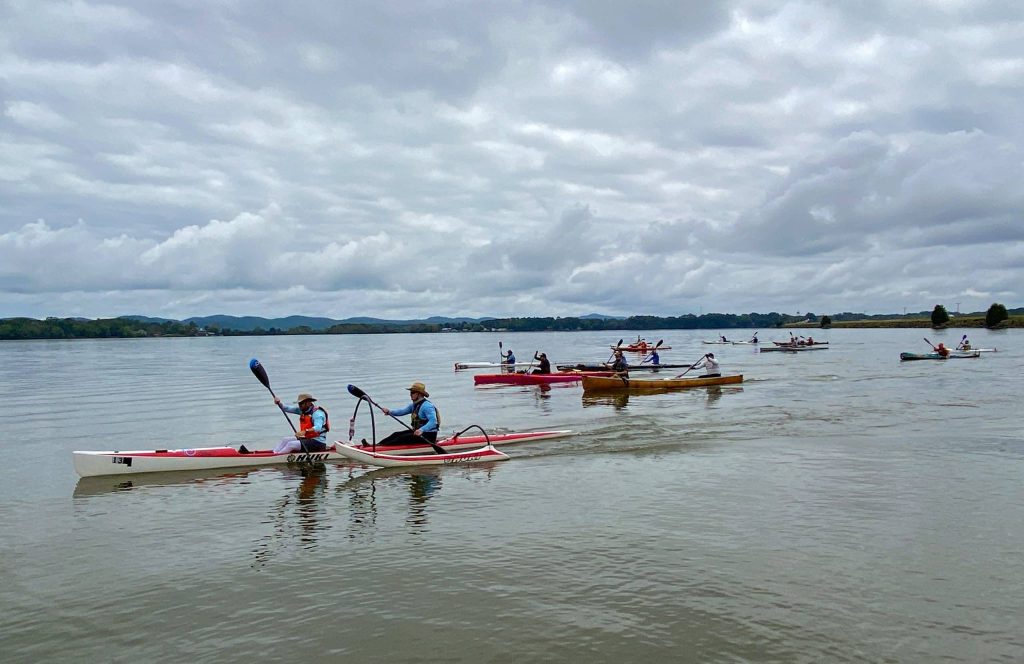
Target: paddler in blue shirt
[(510, 359), (653, 358), (314, 424), (425, 419)]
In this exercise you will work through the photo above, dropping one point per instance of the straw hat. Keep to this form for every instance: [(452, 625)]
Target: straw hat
[(304, 396), (419, 387)]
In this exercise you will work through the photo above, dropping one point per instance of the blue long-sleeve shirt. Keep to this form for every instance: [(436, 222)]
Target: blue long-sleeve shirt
[(319, 422), (427, 412)]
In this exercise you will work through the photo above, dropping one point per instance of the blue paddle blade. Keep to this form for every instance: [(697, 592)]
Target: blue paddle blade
[(253, 363)]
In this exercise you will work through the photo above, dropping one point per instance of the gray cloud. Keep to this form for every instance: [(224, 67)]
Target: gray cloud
[(518, 158)]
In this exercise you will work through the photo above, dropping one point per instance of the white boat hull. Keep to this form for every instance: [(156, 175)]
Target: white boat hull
[(96, 463), (384, 460)]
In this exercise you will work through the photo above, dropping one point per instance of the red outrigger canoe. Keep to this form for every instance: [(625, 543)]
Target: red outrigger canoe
[(536, 379), (90, 464)]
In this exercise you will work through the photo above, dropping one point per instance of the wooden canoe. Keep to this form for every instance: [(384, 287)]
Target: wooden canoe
[(617, 384)]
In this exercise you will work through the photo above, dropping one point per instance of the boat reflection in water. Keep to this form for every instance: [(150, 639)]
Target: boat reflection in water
[(88, 487), (421, 483), (298, 517), (618, 400)]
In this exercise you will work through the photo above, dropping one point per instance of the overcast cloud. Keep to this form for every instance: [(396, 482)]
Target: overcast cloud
[(514, 158)]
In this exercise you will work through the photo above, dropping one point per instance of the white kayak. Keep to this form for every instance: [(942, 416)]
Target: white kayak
[(491, 365), (91, 463), (385, 460)]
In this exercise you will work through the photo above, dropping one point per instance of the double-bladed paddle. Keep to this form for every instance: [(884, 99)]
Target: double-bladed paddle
[(359, 394), (613, 352), (656, 346), (261, 375)]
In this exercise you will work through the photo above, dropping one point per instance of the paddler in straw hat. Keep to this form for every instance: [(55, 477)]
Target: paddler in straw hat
[(425, 419), (314, 424)]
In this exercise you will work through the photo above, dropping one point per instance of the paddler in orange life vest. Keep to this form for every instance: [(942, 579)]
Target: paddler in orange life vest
[(425, 419), (942, 350), (313, 426)]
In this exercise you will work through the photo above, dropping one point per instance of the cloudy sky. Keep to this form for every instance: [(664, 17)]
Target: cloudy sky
[(516, 157)]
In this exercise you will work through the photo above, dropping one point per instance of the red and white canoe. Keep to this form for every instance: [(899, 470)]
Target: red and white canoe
[(91, 464), (536, 379), (386, 460)]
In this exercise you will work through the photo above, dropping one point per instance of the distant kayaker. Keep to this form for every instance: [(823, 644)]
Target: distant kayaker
[(965, 344), (620, 365), (509, 359), (942, 350), (425, 419), (313, 426), (543, 362), (653, 358), (709, 364), (721, 337), (753, 339)]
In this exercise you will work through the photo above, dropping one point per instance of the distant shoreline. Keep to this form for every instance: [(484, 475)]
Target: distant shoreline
[(70, 329)]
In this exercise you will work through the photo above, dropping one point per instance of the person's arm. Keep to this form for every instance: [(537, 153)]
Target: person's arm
[(294, 410), (404, 410)]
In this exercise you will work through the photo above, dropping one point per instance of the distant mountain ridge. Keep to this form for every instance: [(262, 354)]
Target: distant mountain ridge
[(250, 323)]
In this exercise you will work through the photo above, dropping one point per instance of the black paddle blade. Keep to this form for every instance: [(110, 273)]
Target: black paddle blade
[(259, 372), (356, 392)]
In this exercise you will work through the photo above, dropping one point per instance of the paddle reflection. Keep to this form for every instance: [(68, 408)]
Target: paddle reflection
[(420, 485), (298, 517)]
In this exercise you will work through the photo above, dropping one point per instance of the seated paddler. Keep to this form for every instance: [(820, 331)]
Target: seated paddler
[(425, 419), (311, 434)]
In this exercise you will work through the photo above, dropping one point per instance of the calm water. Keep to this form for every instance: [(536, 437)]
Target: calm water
[(838, 506)]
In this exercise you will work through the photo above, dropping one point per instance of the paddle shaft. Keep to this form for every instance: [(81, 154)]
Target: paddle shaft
[(613, 352), (691, 367)]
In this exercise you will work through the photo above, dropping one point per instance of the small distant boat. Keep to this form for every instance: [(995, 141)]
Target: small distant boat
[(536, 379), (790, 349), (953, 355), (490, 365), (581, 366), (633, 348), (624, 384), (800, 343)]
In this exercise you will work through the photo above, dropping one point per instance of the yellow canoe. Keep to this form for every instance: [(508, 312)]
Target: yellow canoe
[(620, 384)]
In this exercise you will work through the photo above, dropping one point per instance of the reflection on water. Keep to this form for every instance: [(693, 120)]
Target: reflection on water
[(299, 516), (105, 484), (420, 485), (618, 400)]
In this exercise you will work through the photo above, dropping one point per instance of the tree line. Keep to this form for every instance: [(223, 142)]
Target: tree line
[(79, 328)]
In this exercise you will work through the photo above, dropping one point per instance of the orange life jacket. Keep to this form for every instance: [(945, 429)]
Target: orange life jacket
[(306, 421)]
